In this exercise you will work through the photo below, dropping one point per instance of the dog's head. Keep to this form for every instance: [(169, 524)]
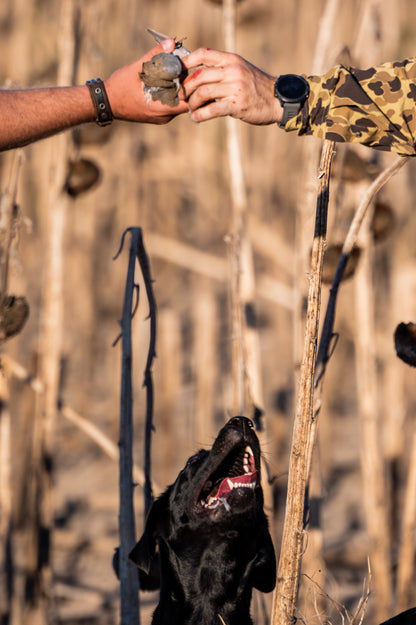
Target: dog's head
[(221, 486), (216, 499)]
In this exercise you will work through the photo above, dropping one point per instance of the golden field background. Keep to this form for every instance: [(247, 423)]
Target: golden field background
[(173, 181)]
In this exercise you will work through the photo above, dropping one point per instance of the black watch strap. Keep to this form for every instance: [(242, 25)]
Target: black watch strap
[(290, 110)]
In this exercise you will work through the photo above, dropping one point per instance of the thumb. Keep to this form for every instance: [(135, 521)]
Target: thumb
[(167, 45)]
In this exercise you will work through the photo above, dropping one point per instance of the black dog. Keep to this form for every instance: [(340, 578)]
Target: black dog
[(212, 535)]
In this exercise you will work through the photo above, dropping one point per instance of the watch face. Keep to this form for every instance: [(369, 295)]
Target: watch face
[(292, 88)]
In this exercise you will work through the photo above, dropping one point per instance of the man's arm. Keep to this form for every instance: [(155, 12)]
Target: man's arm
[(27, 115), (374, 107)]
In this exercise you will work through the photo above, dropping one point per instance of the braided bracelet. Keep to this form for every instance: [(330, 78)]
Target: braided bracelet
[(101, 102)]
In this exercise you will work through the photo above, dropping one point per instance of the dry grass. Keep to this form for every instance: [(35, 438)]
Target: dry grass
[(174, 183)]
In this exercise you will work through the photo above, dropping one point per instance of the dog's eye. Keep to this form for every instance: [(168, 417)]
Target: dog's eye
[(196, 457)]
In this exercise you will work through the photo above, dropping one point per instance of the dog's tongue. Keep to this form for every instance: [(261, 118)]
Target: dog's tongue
[(245, 480)]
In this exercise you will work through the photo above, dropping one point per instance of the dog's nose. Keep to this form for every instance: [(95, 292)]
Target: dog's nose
[(241, 423)]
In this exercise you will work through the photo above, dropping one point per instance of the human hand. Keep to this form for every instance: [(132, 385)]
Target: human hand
[(127, 98), (227, 84)]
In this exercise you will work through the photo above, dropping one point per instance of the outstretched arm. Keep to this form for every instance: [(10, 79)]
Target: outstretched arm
[(375, 107), (27, 115)]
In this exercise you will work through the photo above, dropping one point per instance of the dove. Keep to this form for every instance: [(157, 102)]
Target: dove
[(161, 76)]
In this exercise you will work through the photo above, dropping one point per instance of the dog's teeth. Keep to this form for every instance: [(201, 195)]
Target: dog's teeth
[(230, 484), (244, 485), (213, 503), (248, 456)]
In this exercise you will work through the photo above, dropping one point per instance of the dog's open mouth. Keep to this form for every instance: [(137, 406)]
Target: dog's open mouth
[(236, 471)]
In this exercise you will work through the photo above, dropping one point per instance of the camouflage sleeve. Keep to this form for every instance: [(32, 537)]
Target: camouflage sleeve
[(375, 107)]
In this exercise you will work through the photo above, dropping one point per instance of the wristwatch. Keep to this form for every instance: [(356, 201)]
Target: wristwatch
[(292, 91)]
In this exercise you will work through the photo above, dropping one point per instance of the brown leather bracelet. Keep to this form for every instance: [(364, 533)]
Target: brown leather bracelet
[(101, 102)]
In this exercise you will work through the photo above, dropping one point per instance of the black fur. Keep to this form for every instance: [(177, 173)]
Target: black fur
[(405, 343), (210, 556), (404, 618)]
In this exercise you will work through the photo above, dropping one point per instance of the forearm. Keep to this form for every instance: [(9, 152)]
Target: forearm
[(374, 107), (31, 114)]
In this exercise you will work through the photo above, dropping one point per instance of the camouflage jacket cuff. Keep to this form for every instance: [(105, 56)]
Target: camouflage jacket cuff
[(375, 107)]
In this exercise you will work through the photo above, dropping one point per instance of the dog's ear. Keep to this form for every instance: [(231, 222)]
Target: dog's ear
[(144, 552), (264, 570)]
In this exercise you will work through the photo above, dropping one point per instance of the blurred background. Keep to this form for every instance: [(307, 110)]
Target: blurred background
[(174, 182)]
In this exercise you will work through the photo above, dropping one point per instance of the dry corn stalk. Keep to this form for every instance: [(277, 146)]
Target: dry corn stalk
[(246, 361), (40, 571), (293, 530)]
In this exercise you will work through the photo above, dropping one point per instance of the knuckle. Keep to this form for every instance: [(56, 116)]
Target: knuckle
[(239, 76), (204, 92), (235, 58)]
